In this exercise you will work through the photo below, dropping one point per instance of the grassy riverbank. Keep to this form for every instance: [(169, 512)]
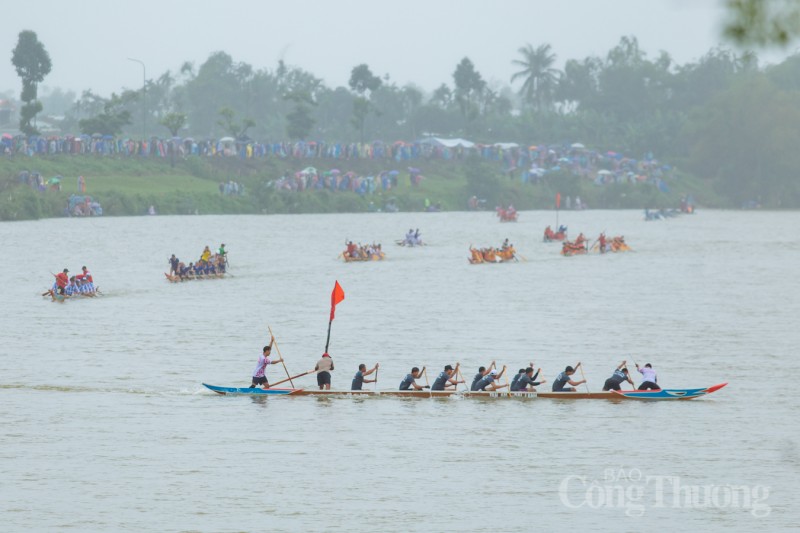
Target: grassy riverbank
[(128, 186)]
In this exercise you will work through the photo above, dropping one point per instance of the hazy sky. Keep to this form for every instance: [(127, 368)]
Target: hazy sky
[(418, 41)]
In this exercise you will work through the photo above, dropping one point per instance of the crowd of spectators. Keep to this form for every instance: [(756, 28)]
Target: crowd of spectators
[(530, 164)]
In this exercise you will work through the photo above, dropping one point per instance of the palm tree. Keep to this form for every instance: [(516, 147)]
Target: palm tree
[(538, 74)]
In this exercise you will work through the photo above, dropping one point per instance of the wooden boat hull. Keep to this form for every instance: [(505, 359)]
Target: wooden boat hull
[(348, 259), (239, 391), (61, 298), (178, 279)]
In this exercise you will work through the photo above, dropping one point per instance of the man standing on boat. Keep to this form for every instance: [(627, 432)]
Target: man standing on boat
[(410, 381), (482, 371), (62, 280), (324, 368), (488, 382), (528, 378), (649, 376), (445, 379), (206, 255), (620, 374), (223, 254), (358, 379), (173, 265), (259, 374), (563, 379)]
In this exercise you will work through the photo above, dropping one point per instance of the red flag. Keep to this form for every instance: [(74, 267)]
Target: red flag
[(558, 200), (336, 296)]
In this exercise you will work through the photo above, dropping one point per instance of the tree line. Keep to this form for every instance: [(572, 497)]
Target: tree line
[(723, 116)]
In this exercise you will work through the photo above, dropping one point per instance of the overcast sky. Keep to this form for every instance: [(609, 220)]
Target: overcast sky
[(414, 41)]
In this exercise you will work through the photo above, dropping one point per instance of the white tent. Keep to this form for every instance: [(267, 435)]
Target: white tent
[(448, 143)]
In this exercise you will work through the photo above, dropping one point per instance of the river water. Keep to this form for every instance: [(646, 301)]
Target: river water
[(106, 426)]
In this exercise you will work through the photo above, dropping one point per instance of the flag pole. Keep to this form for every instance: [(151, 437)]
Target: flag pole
[(328, 340), (558, 204), (337, 296)]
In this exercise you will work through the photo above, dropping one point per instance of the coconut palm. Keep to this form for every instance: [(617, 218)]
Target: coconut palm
[(538, 75)]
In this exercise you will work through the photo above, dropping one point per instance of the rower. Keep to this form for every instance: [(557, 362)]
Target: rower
[(85, 275), (527, 379), (72, 288), (259, 374), (514, 380), (482, 371), (411, 380), (649, 376), (445, 379), (619, 375), (324, 368), (362, 373), (561, 381), (488, 381)]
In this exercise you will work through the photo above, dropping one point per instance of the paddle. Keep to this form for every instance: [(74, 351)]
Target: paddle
[(458, 369), (584, 379), (630, 374), (280, 355), (376, 379), (462, 379), (425, 371), (293, 377)]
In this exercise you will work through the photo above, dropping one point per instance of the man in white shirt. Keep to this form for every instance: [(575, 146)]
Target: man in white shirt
[(650, 380), (259, 376)]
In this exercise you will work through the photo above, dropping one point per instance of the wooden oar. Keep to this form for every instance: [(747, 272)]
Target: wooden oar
[(462, 379), (281, 356), (630, 374), (376, 379), (458, 369), (293, 377), (425, 371), (584, 379)]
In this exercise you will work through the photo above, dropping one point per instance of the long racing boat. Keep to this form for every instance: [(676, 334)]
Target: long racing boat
[(664, 394)]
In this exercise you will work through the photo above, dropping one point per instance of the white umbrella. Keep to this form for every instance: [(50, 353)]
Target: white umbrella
[(578, 146)]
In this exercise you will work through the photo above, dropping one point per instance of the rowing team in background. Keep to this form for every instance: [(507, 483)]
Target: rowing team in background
[(486, 379), (505, 253), (360, 252), (209, 265), (65, 286), (412, 238), (603, 244), (550, 235)]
